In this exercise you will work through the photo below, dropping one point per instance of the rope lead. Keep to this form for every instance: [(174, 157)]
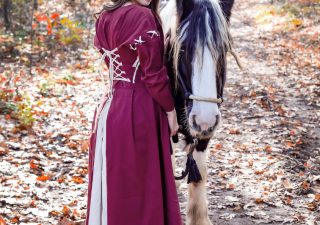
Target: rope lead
[(192, 170)]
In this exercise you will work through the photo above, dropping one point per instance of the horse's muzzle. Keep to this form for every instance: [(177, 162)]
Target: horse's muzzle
[(204, 130)]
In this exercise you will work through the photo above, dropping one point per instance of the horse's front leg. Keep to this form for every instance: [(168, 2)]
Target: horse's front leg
[(197, 209), (173, 161)]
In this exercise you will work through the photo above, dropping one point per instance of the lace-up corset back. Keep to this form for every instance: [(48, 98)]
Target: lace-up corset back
[(119, 68)]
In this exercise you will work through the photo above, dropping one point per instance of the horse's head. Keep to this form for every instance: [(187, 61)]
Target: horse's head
[(197, 47)]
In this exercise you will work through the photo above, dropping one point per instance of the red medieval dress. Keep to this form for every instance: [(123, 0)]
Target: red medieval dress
[(131, 178)]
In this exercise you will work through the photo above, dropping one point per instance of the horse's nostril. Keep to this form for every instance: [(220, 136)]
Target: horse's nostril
[(211, 129), (205, 133), (194, 124), (194, 121)]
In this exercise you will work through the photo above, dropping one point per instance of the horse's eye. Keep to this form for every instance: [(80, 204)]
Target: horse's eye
[(182, 49)]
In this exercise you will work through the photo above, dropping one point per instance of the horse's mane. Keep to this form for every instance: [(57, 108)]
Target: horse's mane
[(205, 26)]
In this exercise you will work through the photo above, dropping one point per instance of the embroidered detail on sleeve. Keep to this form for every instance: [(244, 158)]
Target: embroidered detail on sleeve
[(139, 40), (153, 32)]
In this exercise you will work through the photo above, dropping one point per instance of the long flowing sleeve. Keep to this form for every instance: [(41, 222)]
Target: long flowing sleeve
[(149, 46)]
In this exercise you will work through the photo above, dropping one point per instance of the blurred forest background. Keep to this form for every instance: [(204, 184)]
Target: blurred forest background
[(49, 87)]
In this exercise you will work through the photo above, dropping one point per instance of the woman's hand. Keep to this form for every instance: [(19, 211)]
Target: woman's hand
[(173, 123)]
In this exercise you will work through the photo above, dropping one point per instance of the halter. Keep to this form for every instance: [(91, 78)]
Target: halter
[(189, 95)]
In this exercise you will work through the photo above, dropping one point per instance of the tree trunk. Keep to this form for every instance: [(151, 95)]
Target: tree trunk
[(6, 14), (35, 5)]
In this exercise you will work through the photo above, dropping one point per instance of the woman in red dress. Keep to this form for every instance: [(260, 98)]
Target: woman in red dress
[(131, 178)]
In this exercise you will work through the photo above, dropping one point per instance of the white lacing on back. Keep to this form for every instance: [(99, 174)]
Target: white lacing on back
[(115, 72)]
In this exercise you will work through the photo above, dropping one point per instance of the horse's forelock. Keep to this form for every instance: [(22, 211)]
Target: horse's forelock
[(205, 25)]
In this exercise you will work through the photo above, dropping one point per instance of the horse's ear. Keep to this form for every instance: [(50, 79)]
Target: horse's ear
[(226, 6), (184, 8)]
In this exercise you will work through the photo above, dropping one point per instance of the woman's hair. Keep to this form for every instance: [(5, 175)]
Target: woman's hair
[(115, 4)]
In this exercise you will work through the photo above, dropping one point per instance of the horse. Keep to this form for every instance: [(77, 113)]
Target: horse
[(197, 40)]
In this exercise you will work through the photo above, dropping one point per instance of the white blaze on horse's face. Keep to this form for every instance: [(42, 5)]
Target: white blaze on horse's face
[(204, 116)]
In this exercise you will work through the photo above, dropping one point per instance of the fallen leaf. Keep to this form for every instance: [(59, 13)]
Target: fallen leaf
[(32, 204), (2, 222), (43, 178), (54, 213), (33, 165), (60, 179), (15, 219), (218, 146), (296, 22), (305, 185), (66, 211), (223, 174), (250, 162), (231, 186), (287, 200), (78, 180), (234, 131), (287, 184), (259, 201), (317, 197), (259, 172), (3, 151), (268, 149), (312, 206)]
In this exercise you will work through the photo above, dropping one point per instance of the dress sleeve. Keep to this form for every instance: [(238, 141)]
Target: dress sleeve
[(96, 42), (149, 46)]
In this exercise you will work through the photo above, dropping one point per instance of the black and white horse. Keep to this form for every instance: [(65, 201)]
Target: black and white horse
[(197, 41)]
